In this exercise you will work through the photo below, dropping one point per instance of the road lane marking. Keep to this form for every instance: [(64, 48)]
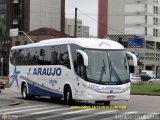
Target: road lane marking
[(20, 111), (92, 115), (42, 112), (9, 109), (104, 112), (77, 111), (47, 111), (128, 113), (155, 113), (62, 114)]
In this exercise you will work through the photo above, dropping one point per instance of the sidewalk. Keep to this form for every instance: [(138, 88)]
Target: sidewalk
[(9, 98)]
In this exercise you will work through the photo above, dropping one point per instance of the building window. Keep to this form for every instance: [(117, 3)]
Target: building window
[(145, 30), (146, 19), (17, 43), (154, 21), (154, 9), (156, 32), (25, 42)]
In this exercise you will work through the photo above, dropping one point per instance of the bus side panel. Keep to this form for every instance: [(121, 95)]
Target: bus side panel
[(40, 80), (14, 78), (41, 91)]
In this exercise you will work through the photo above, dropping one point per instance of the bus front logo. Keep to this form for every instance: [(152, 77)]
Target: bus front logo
[(111, 91)]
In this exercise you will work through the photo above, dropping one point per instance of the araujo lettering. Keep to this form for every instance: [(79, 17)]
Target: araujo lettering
[(105, 88), (45, 71)]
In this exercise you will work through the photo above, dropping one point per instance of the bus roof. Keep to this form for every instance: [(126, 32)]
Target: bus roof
[(94, 43)]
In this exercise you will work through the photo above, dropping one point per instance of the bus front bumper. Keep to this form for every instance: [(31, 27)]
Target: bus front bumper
[(97, 96)]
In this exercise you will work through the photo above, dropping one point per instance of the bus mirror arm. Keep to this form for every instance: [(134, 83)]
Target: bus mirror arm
[(134, 58), (85, 57)]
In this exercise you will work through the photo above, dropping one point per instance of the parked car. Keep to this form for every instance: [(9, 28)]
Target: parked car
[(156, 79), (2, 85), (149, 73), (145, 77), (135, 78)]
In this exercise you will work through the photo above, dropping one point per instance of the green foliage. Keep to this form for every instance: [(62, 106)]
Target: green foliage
[(145, 88), (2, 32)]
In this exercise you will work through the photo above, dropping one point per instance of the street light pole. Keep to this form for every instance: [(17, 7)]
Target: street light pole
[(156, 50), (27, 36), (1, 67)]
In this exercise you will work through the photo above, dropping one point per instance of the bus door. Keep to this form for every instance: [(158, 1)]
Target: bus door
[(81, 72)]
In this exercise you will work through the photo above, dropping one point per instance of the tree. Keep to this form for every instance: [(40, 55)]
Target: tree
[(2, 32)]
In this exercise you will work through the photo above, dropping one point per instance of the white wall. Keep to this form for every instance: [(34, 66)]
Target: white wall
[(150, 9), (134, 8), (45, 13), (150, 20), (150, 31), (134, 30), (134, 19)]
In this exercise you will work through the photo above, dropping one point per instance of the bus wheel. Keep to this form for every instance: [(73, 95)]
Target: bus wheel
[(24, 92), (68, 96), (106, 103)]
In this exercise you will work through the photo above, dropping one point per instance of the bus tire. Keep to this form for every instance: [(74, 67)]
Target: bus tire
[(24, 92), (107, 103), (68, 96)]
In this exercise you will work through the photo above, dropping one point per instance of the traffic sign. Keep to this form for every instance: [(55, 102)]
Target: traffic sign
[(13, 32), (136, 42)]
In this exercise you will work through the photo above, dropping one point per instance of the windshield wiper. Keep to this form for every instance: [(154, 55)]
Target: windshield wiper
[(103, 70), (125, 81)]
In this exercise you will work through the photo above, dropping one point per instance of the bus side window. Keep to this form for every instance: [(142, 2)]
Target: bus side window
[(80, 66)]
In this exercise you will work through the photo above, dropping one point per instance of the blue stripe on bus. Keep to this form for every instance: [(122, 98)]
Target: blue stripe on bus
[(38, 91)]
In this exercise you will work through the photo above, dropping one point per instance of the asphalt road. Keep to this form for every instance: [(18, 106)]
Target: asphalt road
[(138, 108)]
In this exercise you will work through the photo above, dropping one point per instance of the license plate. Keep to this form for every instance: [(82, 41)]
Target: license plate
[(110, 97)]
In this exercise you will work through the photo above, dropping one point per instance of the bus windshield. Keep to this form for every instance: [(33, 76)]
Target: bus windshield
[(107, 67)]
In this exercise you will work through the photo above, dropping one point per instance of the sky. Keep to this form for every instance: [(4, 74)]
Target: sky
[(87, 11)]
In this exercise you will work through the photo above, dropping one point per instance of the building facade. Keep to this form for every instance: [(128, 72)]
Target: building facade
[(28, 15), (82, 31), (37, 35), (102, 18), (85, 31), (140, 18), (3, 12)]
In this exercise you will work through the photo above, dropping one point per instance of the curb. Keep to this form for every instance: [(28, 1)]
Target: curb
[(13, 104), (145, 94)]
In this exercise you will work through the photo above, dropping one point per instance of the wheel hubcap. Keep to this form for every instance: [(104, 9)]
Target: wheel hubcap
[(67, 96), (24, 92)]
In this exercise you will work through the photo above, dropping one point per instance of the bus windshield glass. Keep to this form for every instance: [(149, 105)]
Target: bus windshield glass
[(107, 67)]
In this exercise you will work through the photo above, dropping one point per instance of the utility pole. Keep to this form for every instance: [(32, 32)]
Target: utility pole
[(75, 24)]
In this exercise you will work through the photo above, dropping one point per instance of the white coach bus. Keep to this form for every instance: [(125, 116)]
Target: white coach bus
[(71, 68)]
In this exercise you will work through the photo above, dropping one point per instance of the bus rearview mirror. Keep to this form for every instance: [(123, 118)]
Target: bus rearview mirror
[(85, 57), (134, 58)]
